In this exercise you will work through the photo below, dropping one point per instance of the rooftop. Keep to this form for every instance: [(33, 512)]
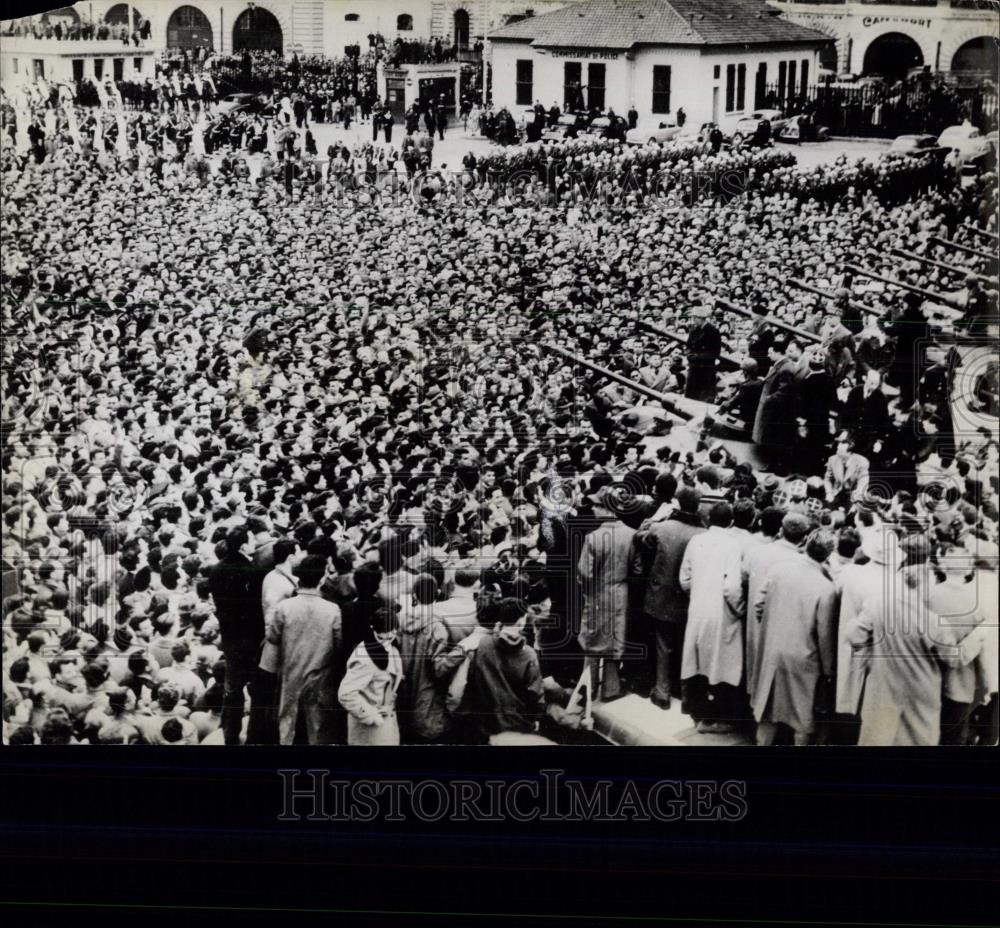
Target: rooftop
[(626, 23)]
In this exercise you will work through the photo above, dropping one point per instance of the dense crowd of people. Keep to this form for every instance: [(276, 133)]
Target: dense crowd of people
[(292, 458), (80, 30)]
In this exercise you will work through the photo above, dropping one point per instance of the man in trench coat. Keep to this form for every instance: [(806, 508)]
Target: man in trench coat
[(603, 572), (306, 633), (797, 610), (901, 705), (713, 641)]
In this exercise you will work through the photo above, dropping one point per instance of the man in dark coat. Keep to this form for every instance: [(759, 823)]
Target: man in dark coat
[(866, 415), (774, 428), (236, 585), (666, 602), (910, 333), (817, 397), (742, 405), (703, 349)]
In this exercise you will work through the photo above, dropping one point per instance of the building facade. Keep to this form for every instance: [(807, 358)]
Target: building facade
[(889, 37), (716, 61), (307, 27)]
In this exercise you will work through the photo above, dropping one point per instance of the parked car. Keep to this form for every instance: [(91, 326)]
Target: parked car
[(234, 102), (663, 132), (747, 125), (608, 127), (972, 146), (911, 144), (692, 133), (568, 126), (790, 132)]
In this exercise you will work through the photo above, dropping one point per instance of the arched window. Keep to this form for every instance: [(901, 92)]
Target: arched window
[(352, 18), (892, 55), (257, 29), (64, 14), (461, 22), (118, 15), (404, 22), (188, 27)]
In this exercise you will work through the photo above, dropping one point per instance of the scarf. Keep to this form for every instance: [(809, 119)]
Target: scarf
[(377, 651)]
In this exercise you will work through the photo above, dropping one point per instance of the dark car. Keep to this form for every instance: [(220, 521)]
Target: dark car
[(568, 126), (904, 145), (608, 127)]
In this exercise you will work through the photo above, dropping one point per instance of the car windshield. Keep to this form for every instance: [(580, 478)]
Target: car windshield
[(602, 121), (567, 119)]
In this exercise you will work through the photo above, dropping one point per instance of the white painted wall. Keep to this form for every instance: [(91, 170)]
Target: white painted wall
[(630, 81)]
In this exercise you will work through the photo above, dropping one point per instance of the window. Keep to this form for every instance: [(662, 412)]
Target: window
[(760, 88), (730, 87), (572, 97), (98, 68), (782, 79), (16, 65), (352, 18), (404, 22), (661, 88), (118, 69), (595, 85), (716, 71), (39, 69), (525, 82), (804, 79), (78, 69), (137, 65), (741, 87), (791, 79)]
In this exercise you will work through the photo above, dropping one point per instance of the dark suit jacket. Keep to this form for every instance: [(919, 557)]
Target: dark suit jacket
[(867, 419), (235, 584)]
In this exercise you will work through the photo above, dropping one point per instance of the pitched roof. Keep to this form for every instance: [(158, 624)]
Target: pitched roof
[(625, 23)]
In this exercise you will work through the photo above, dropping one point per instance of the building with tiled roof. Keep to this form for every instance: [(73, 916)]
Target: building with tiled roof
[(716, 59)]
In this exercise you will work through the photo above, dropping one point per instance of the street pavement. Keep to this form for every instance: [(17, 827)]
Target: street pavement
[(457, 142)]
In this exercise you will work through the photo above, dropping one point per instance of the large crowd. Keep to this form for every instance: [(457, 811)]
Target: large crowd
[(292, 457), (80, 30)]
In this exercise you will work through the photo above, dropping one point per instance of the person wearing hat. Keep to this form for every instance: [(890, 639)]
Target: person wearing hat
[(305, 633), (603, 573), (774, 428)]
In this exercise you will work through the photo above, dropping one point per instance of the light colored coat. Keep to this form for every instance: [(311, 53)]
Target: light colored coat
[(857, 583), (713, 644), (902, 699), (603, 572), (306, 631), (797, 609), (368, 693), (756, 564)]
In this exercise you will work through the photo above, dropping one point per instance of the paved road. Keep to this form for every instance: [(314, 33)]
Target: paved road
[(457, 142)]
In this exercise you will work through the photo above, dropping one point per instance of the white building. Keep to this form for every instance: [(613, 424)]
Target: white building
[(888, 37), (713, 58)]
